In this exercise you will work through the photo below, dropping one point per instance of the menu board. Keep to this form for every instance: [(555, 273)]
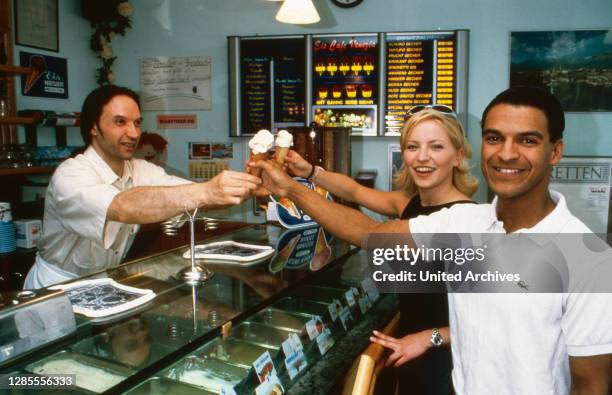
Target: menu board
[(345, 80), (273, 86), (364, 81), (421, 70)]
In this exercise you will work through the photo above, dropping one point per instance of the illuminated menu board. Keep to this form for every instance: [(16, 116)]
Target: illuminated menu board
[(345, 70), (421, 70), (272, 82)]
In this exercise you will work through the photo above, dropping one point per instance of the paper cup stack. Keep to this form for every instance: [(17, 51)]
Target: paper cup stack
[(7, 229)]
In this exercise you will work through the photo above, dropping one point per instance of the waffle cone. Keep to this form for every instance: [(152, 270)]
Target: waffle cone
[(254, 158), (279, 156)]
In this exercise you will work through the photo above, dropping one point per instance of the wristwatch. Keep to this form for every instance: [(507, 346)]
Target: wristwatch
[(436, 338)]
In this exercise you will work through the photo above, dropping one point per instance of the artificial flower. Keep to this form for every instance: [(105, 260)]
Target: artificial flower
[(125, 9), (107, 52)]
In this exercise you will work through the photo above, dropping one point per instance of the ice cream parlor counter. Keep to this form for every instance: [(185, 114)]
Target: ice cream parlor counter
[(291, 321)]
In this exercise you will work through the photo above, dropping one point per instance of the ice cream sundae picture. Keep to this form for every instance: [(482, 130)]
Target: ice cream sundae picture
[(351, 91), (366, 91), (336, 92)]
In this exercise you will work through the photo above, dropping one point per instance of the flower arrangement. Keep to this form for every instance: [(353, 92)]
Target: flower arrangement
[(108, 18)]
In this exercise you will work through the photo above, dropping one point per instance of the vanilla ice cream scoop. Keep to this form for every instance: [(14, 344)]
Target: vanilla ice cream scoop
[(262, 142), (284, 139)]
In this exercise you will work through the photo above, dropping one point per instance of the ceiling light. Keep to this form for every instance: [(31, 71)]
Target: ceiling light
[(298, 12)]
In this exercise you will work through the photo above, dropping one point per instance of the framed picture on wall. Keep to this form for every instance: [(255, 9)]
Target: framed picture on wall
[(574, 65), (36, 24), (395, 162)]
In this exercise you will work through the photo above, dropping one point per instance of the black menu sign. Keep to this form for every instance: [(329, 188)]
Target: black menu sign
[(345, 70), (272, 75), (420, 71)]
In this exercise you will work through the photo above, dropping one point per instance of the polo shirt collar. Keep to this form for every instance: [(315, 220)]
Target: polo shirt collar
[(553, 223), (104, 170)]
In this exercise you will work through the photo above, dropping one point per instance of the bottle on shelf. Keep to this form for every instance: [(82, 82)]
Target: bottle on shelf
[(3, 56), (52, 118)]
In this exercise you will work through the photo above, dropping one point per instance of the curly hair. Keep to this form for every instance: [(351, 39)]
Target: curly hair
[(463, 179)]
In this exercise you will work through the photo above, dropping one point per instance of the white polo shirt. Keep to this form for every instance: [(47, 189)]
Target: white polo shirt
[(520, 343), (77, 238)]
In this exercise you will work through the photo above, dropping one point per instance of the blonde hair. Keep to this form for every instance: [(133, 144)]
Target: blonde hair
[(463, 180)]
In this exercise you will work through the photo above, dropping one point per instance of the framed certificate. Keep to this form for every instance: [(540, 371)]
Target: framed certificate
[(36, 24)]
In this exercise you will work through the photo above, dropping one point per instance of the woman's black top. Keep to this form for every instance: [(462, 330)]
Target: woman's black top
[(430, 373)]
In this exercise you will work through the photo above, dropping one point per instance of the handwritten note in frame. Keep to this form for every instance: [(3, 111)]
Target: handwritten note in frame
[(169, 83)]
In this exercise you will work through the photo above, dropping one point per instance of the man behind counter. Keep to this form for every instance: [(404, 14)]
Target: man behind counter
[(501, 343), (95, 200)]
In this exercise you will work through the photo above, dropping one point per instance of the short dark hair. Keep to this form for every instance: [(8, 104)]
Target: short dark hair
[(533, 97), (95, 101)]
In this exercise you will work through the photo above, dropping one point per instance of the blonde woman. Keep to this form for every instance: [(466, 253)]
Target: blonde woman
[(435, 174)]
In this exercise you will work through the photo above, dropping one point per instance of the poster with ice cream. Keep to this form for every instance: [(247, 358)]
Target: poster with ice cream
[(48, 76)]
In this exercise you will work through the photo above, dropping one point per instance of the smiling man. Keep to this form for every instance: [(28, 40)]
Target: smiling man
[(501, 343), (96, 200)]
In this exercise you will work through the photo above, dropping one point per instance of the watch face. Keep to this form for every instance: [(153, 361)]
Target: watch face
[(346, 3)]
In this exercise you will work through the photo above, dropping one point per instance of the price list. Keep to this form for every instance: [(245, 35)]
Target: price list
[(256, 97), (420, 71), (289, 88), (273, 83)]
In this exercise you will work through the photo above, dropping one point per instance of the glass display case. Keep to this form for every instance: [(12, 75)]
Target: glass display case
[(284, 317)]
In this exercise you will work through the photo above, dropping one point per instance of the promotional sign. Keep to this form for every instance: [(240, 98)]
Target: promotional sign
[(585, 182), (177, 121), (345, 81), (299, 247), (48, 78), (289, 214)]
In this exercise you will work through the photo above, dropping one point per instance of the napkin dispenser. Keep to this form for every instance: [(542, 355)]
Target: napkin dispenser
[(30, 319)]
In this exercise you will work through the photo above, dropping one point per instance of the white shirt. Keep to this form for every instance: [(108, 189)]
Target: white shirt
[(77, 239), (517, 343)]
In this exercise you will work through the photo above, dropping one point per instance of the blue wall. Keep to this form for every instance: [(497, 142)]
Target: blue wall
[(200, 27)]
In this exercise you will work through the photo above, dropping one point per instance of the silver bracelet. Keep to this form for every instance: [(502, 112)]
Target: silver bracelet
[(315, 173)]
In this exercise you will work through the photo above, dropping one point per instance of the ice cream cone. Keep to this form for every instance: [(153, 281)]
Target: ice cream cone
[(280, 154), (254, 158), (284, 141), (260, 145)]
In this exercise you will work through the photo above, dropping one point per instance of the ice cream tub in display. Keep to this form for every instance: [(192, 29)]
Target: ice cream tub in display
[(205, 373), (91, 373)]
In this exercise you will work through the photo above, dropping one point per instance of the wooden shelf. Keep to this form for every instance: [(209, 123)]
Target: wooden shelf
[(5, 68), (8, 171), (18, 120)]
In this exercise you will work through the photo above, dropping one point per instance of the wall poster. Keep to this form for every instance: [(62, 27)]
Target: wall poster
[(576, 66), (49, 76), (585, 182), (175, 83)]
